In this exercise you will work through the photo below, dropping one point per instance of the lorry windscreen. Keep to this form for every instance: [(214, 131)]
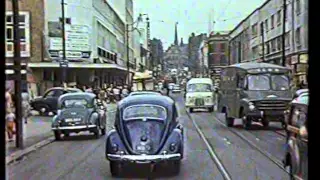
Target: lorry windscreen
[(268, 82)]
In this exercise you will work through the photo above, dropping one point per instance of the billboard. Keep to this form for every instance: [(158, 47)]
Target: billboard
[(77, 41)]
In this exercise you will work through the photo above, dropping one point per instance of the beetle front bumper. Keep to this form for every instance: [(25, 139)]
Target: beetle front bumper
[(81, 127), (144, 158)]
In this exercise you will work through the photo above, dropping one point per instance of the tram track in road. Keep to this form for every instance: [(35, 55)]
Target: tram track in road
[(255, 146), (226, 175)]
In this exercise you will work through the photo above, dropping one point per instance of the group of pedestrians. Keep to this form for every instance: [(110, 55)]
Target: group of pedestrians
[(109, 93), (11, 110)]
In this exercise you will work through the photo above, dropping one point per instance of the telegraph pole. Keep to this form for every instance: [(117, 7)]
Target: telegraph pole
[(64, 62), (17, 71), (284, 32), (128, 61)]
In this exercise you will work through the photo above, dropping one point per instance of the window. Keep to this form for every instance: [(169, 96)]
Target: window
[(266, 25), (254, 31), (273, 45), (50, 94), (280, 82), (223, 47), (223, 59), (287, 39), (287, 13), (267, 48), (272, 21), (298, 7), (279, 17), (261, 28), (143, 111), (255, 51), (298, 36), (24, 33), (258, 82), (279, 43)]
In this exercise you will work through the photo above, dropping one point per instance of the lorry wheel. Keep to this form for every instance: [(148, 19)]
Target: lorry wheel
[(229, 120), (265, 122), (191, 110), (246, 122), (211, 109)]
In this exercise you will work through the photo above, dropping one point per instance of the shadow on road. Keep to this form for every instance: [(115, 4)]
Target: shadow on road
[(143, 172), (82, 137)]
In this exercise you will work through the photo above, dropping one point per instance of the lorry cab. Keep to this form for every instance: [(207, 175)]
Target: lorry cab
[(254, 92), (200, 94)]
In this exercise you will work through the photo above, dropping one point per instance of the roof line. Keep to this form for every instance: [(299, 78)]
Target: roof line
[(260, 7)]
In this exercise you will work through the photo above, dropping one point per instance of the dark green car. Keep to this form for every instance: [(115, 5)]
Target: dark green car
[(254, 92)]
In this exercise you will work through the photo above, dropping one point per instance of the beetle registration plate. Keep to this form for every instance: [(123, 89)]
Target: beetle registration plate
[(141, 148), (73, 120)]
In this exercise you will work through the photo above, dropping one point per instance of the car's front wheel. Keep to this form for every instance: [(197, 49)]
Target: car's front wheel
[(175, 169), (57, 135), (115, 169), (211, 109)]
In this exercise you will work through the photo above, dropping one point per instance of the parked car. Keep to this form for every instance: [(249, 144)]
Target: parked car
[(200, 94), (147, 130), (254, 92), (135, 93), (176, 88), (296, 156), (48, 102), (79, 112)]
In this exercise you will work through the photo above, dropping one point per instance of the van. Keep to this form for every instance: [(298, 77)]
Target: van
[(200, 94), (253, 91)]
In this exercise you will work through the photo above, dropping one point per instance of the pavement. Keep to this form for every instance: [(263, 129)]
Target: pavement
[(37, 133), (82, 156)]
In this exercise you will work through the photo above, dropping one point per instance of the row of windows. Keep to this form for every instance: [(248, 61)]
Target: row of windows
[(107, 55), (275, 20), (217, 47)]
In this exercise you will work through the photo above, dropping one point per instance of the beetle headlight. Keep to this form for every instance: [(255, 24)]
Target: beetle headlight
[(114, 147), (251, 106), (172, 147)]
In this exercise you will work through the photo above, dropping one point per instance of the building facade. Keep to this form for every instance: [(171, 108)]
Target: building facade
[(157, 55), (31, 25), (259, 36), (218, 49), (95, 41), (193, 47)]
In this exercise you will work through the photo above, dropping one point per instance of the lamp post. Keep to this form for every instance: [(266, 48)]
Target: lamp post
[(64, 61), (127, 42)]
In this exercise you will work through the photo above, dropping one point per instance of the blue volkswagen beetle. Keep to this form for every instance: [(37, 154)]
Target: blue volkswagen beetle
[(147, 131)]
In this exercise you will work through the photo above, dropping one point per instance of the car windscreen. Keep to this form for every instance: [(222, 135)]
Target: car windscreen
[(145, 111), (280, 82), (71, 103), (199, 87), (258, 82)]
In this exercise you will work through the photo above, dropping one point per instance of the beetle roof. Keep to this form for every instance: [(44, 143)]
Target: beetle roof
[(254, 65), (78, 95), (146, 99)]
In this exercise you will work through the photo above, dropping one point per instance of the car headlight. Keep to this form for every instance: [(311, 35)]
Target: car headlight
[(114, 147), (172, 147), (208, 99), (191, 99), (251, 106)]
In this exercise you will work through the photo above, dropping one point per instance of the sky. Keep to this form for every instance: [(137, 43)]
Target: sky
[(192, 16)]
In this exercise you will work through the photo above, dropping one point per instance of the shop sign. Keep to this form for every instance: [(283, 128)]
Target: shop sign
[(303, 58), (294, 59), (302, 67)]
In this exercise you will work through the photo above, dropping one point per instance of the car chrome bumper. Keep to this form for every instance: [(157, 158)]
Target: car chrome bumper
[(144, 158), (74, 127)]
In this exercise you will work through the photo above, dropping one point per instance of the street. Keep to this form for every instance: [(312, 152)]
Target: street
[(82, 156)]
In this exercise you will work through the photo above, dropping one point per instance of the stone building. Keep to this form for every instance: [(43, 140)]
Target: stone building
[(262, 30), (176, 56), (193, 47), (157, 55)]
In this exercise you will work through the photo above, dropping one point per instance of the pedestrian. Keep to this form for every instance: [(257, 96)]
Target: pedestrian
[(116, 92), (25, 105), (166, 86)]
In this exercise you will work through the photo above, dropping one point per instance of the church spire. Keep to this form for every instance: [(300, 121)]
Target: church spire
[(176, 35)]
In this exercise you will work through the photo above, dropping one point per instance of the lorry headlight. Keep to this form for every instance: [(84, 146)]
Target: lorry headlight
[(251, 106)]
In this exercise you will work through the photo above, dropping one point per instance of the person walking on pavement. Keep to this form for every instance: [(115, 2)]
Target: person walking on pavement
[(25, 105), (10, 117), (166, 86)]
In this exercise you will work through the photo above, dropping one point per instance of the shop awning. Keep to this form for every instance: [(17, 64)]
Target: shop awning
[(79, 65)]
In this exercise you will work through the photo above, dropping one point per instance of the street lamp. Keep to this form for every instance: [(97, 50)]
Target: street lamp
[(127, 37)]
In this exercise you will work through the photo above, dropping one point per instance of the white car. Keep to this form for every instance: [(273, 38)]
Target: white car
[(200, 94), (176, 88)]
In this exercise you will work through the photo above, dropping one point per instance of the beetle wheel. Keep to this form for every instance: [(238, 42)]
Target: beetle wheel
[(175, 169), (115, 169)]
